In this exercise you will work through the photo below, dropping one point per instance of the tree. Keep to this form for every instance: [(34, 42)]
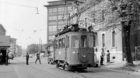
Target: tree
[(33, 48), (18, 50), (128, 12)]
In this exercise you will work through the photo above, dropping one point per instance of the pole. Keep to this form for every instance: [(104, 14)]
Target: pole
[(85, 22), (41, 45)]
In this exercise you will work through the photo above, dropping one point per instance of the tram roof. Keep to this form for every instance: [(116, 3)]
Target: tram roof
[(75, 33)]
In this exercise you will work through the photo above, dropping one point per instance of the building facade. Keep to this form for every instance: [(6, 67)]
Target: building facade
[(5, 45), (107, 24), (57, 14), (98, 14)]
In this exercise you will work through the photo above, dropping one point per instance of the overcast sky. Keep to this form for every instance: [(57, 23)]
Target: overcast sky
[(21, 21)]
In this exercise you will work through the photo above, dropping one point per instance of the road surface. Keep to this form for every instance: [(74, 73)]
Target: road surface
[(18, 69)]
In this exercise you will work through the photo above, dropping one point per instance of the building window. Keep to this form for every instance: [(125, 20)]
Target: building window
[(103, 15), (54, 10), (51, 23), (50, 10), (60, 17), (113, 39), (51, 37), (103, 40), (52, 28), (52, 17), (61, 22), (60, 10)]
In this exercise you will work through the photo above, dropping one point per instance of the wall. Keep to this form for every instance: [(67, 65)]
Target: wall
[(2, 30), (104, 21)]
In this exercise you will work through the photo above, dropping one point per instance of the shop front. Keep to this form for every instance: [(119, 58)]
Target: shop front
[(4, 55), (4, 46)]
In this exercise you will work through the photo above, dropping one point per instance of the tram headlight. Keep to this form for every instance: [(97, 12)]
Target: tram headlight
[(84, 56)]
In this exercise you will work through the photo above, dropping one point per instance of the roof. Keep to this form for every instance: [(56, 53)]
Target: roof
[(1, 26), (58, 3), (4, 41)]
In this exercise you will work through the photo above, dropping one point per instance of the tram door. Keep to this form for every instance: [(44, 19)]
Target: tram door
[(66, 46)]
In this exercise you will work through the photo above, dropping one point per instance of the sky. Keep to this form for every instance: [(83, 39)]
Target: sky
[(25, 20)]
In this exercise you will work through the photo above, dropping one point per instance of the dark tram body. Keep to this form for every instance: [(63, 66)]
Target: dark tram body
[(74, 49)]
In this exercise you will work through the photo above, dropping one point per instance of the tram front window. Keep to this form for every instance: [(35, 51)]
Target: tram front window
[(91, 42), (75, 42), (84, 41)]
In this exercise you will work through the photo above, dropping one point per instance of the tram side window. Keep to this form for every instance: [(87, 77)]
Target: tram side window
[(63, 43), (67, 41), (60, 43), (83, 41), (75, 42), (57, 44)]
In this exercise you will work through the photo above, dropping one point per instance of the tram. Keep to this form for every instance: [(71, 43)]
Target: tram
[(74, 48)]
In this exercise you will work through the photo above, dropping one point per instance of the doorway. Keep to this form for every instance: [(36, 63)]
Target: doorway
[(3, 59)]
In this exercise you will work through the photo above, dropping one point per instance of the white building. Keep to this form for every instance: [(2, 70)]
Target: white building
[(98, 14)]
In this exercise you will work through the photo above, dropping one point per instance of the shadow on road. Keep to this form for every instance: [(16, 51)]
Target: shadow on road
[(92, 70)]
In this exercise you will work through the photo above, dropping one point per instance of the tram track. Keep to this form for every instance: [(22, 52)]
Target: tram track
[(81, 75), (73, 74)]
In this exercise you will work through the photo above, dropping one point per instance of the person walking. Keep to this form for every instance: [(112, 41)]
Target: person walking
[(6, 58), (27, 58), (38, 58), (0, 57), (108, 56)]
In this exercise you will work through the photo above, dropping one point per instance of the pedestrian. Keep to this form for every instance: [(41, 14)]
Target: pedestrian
[(38, 58), (27, 58), (0, 57), (7, 58), (102, 57), (108, 56)]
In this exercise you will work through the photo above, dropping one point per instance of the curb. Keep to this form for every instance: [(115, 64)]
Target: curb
[(136, 72), (118, 71)]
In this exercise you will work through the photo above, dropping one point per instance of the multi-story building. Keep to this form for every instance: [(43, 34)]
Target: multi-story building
[(57, 14)]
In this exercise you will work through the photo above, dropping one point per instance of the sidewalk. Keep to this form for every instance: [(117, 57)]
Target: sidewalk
[(121, 67)]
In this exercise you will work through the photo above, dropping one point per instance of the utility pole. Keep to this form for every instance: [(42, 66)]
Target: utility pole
[(127, 12)]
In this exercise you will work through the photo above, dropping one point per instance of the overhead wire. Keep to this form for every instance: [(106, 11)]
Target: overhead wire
[(21, 5)]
